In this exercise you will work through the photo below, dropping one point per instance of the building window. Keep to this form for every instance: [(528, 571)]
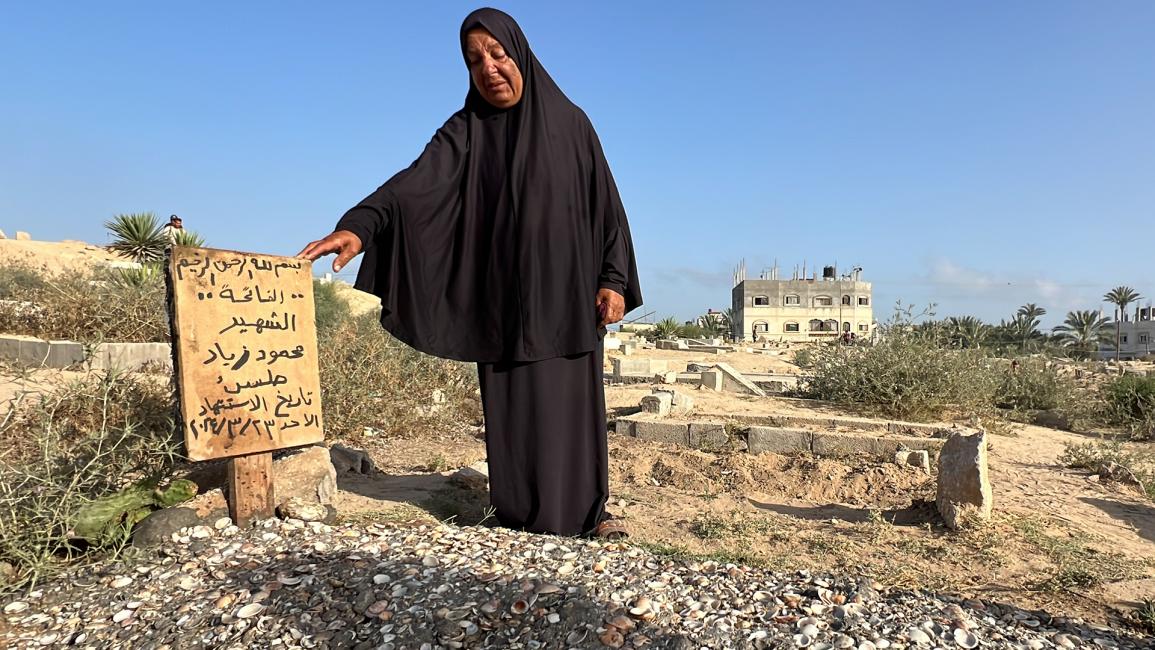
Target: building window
[(793, 300), (846, 327), (863, 301), (830, 326), (761, 301), (863, 327), (1124, 339), (846, 300), (815, 325), (790, 327), (1144, 338), (823, 301), (761, 326)]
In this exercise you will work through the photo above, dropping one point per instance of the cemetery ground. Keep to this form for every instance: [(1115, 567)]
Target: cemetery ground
[(1062, 542)]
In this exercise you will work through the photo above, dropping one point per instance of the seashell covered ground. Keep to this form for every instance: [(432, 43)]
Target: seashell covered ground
[(288, 584)]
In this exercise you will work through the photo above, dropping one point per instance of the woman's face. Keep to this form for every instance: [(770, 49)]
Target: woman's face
[(494, 73)]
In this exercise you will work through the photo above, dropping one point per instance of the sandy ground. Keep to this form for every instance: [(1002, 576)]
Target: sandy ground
[(787, 512), (55, 257)]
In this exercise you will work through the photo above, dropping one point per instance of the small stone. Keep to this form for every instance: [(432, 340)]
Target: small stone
[(301, 510), (121, 582), (15, 607)]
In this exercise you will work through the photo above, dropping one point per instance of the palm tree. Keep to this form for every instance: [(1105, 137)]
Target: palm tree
[(1025, 325), (138, 236), (732, 325), (1083, 330), (1120, 296), (666, 328), (967, 331), (711, 326)]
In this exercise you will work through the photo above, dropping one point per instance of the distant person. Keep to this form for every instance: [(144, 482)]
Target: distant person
[(505, 243), (175, 224)]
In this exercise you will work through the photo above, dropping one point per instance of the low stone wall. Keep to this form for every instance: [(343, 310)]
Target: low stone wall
[(783, 435), (28, 351)]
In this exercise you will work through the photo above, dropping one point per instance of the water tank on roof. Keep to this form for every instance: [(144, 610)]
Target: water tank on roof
[(828, 273)]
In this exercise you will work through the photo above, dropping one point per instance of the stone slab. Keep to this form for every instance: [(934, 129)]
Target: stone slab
[(643, 429), (778, 441), (23, 236), (23, 350), (658, 404), (964, 487), (132, 356), (842, 444), (709, 436), (712, 380), (734, 381)]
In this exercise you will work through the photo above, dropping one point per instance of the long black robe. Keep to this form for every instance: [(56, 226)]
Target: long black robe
[(491, 247), (519, 287)]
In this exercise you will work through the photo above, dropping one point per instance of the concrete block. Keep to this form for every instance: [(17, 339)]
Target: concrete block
[(131, 356), (624, 427), (680, 402), (657, 403), (712, 379), (672, 345), (919, 458), (23, 236), (62, 354), (778, 441), (24, 351), (708, 435), (611, 343), (672, 432), (734, 381), (638, 367), (627, 349), (668, 377), (838, 444), (2, 235)]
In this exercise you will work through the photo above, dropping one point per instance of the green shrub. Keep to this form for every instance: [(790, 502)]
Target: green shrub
[(904, 376), (328, 305), (369, 379), (1131, 402), (804, 358), (1034, 385), (63, 449)]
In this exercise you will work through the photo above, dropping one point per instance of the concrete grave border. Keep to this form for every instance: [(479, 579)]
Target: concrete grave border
[(784, 435), (36, 352)]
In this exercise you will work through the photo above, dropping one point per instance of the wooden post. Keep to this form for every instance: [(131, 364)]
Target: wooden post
[(251, 487)]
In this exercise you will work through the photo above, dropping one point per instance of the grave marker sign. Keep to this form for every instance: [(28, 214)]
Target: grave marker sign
[(245, 352)]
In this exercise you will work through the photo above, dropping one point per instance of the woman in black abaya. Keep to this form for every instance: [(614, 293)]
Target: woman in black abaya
[(505, 243)]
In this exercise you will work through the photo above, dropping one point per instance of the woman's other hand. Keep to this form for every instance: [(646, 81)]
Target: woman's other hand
[(611, 305), (342, 242)]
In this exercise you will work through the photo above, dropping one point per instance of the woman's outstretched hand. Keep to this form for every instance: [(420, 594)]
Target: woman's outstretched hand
[(342, 242), (611, 306)]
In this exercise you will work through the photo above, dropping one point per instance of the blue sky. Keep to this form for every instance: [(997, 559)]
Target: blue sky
[(975, 155)]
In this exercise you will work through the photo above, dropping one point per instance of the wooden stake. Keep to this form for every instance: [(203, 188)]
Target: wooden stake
[(251, 487)]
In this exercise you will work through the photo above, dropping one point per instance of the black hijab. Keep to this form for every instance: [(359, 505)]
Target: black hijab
[(492, 245)]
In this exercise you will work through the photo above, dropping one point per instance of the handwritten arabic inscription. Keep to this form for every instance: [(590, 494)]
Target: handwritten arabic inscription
[(246, 345)]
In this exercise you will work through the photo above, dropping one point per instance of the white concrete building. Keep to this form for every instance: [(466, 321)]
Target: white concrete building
[(802, 308), (1137, 336)]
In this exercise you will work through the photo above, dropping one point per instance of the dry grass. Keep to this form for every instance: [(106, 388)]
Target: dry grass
[(62, 450), (91, 306)]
